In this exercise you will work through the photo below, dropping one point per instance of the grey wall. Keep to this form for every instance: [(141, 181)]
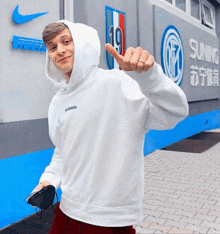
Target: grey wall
[(25, 92), (199, 107), (23, 137)]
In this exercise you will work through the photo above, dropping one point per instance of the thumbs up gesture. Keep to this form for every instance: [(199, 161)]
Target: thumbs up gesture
[(135, 59)]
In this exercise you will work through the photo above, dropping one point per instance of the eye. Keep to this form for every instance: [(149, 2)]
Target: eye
[(67, 42), (52, 48)]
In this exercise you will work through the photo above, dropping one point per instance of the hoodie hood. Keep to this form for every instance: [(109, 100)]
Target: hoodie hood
[(86, 56)]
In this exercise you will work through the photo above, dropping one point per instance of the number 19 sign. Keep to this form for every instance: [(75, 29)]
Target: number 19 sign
[(115, 34)]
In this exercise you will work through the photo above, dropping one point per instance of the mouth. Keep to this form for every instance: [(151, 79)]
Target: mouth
[(64, 59)]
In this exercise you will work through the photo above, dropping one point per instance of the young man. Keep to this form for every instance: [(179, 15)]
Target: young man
[(97, 122)]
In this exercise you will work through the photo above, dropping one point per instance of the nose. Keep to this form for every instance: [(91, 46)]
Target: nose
[(61, 49)]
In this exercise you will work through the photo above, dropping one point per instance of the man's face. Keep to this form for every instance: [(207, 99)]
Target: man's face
[(61, 51)]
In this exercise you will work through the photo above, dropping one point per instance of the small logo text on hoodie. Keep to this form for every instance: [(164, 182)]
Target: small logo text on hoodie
[(70, 108)]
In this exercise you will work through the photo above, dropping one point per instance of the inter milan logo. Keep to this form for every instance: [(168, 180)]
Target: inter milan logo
[(172, 54), (115, 33)]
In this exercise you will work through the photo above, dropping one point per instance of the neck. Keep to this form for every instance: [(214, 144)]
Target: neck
[(67, 76)]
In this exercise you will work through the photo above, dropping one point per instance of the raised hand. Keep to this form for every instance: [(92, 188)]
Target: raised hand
[(135, 59)]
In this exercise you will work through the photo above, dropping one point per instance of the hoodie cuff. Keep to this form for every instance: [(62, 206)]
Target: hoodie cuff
[(149, 79), (52, 179)]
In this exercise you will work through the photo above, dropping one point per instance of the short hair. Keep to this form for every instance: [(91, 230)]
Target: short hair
[(52, 30)]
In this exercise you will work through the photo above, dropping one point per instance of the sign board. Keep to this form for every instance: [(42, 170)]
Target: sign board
[(188, 55)]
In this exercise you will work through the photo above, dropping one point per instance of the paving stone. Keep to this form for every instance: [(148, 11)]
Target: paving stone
[(214, 213), (162, 228), (166, 210), (155, 220), (217, 220), (175, 224), (217, 190), (185, 213), (180, 188), (188, 198), (215, 203), (215, 226), (188, 194), (212, 231), (175, 230), (214, 186), (163, 190), (195, 191), (172, 217), (152, 213), (172, 180), (175, 201), (150, 207), (215, 198), (203, 196), (210, 192), (159, 198), (206, 217), (144, 224), (199, 210), (199, 229), (151, 188), (175, 196), (206, 201), (194, 204), (206, 206), (193, 221), (163, 204), (140, 230), (180, 207), (169, 187)]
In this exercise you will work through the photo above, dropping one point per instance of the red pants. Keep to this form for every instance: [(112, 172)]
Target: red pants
[(62, 224)]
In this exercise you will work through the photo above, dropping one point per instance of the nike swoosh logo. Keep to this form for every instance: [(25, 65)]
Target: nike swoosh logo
[(20, 19)]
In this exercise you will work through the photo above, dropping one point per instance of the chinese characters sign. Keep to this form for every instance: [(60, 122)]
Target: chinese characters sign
[(203, 75)]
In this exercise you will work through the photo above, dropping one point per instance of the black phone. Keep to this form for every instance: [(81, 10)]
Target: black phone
[(33, 192), (42, 198)]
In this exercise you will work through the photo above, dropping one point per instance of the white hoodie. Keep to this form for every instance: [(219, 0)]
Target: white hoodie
[(97, 123)]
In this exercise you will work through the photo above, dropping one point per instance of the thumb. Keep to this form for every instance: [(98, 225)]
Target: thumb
[(113, 52)]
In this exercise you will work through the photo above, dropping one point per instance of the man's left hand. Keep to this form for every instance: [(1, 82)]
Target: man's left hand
[(138, 60)]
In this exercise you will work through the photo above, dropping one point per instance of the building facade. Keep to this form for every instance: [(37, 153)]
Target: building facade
[(183, 36)]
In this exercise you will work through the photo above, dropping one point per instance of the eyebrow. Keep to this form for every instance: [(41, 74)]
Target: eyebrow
[(51, 42)]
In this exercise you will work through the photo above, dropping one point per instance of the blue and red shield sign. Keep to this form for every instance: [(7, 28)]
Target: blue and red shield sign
[(115, 34)]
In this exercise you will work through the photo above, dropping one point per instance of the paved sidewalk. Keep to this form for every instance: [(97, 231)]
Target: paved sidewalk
[(182, 192), (182, 195)]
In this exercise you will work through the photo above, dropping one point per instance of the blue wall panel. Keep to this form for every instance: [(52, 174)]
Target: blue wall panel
[(191, 125), (19, 176)]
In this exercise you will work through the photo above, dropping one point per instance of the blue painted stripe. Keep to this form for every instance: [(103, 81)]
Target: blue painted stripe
[(19, 175), (191, 125)]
